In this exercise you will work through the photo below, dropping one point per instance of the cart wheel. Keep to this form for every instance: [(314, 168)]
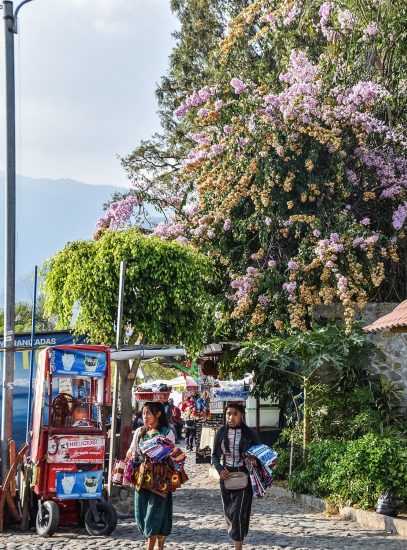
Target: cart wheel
[(48, 524), (105, 522)]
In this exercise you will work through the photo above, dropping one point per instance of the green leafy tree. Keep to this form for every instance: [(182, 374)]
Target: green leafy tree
[(166, 297), (23, 316), (297, 368)]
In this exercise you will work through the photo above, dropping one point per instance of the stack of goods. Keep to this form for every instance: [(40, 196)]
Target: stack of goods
[(152, 392), (260, 460), (231, 391), (157, 448), (162, 470)]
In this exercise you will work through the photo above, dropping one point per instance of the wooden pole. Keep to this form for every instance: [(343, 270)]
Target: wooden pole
[(119, 324)]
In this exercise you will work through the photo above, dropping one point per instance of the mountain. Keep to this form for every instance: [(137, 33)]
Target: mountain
[(50, 213)]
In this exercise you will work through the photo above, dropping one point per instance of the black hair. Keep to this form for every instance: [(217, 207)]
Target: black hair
[(238, 406), (156, 407)]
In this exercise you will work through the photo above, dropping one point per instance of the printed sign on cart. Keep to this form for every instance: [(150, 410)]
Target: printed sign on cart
[(79, 484), (79, 362), (76, 449)]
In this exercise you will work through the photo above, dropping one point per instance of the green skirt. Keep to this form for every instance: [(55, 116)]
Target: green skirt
[(153, 513)]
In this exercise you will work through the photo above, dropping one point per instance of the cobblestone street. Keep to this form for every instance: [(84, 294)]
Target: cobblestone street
[(277, 524)]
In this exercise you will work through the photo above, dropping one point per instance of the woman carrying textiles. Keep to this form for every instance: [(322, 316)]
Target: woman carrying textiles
[(153, 512), (231, 441)]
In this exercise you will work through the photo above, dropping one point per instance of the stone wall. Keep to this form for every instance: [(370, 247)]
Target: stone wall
[(394, 346)]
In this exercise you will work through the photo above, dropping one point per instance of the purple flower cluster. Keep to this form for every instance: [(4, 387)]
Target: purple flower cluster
[(227, 225), (216, 149), (195, 100), (290, 289), (170, 231), (342, 286), (325, 11), (202, 138), (371, 30), (119, 213), (327, 249), (346, 20), (399, 216), (238, 85), (244, 285), (365, 242), (263, 299), (291, 15)]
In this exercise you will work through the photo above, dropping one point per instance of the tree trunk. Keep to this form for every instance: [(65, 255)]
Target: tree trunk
[(127, 379), (125, 408), (305, 419)]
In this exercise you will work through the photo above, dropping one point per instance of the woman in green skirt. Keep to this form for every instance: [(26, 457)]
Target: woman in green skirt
[(153, 512)]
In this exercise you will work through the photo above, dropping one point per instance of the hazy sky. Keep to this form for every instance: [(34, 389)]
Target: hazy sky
[(85, 77)]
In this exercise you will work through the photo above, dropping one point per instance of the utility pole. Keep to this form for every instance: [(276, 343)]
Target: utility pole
[(119, 326), (10, 28)]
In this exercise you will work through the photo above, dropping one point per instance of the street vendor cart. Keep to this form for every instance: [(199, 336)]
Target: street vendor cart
[(72, 389)]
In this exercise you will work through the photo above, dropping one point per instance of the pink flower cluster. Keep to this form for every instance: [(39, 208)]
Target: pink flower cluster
[(195, 100), (371, 30), (399, 216), (327, 249), (238, 85), (290, 289), (244, 285), (118, 213)]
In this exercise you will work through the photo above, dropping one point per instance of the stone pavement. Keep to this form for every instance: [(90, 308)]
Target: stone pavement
[(277, 524)]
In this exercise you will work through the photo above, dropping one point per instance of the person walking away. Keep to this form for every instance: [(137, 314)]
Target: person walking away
[(153, 513), (178, 422), (169, 407), (190, 429), (231, 441)]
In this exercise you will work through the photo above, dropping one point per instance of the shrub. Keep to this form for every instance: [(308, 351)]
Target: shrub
[(368, 466), (314, 476), (354, 472)]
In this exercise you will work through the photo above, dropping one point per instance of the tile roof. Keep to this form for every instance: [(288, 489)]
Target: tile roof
[(397, 318)]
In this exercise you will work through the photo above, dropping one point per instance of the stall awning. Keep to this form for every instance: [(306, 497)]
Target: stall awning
[(146, 352)]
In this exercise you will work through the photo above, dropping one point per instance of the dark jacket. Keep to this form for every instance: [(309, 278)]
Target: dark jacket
[(249, 438)]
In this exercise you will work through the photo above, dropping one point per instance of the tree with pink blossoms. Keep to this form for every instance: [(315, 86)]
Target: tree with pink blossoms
[(295, 179)]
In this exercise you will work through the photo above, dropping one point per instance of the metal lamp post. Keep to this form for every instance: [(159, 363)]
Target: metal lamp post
[(10, 28)]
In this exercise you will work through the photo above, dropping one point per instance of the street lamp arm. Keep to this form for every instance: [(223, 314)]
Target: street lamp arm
[(15, 29)]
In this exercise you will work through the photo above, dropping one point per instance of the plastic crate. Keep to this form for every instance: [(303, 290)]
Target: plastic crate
[(161, 396)]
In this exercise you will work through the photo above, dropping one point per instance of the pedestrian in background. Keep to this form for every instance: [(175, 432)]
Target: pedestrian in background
[(178, 422), (190, 429), (153, 513), (231, 441)]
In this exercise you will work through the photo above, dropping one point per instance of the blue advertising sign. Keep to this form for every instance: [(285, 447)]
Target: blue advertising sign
[(79, 362), (81, 485), (22, 372)]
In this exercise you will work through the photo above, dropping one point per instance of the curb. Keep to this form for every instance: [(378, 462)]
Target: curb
[(306, 500), (376, 522)]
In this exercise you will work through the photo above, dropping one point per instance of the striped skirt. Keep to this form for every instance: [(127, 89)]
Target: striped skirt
[(153, 513), (237, 506)]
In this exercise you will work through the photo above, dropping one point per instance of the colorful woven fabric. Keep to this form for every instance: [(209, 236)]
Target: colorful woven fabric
[(259, 461), (161, 467)]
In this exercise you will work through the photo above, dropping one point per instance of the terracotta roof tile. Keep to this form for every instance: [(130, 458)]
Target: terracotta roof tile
[(397, 318)]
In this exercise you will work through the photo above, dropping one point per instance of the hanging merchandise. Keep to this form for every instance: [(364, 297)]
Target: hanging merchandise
[(157, 465), (260, 461)]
